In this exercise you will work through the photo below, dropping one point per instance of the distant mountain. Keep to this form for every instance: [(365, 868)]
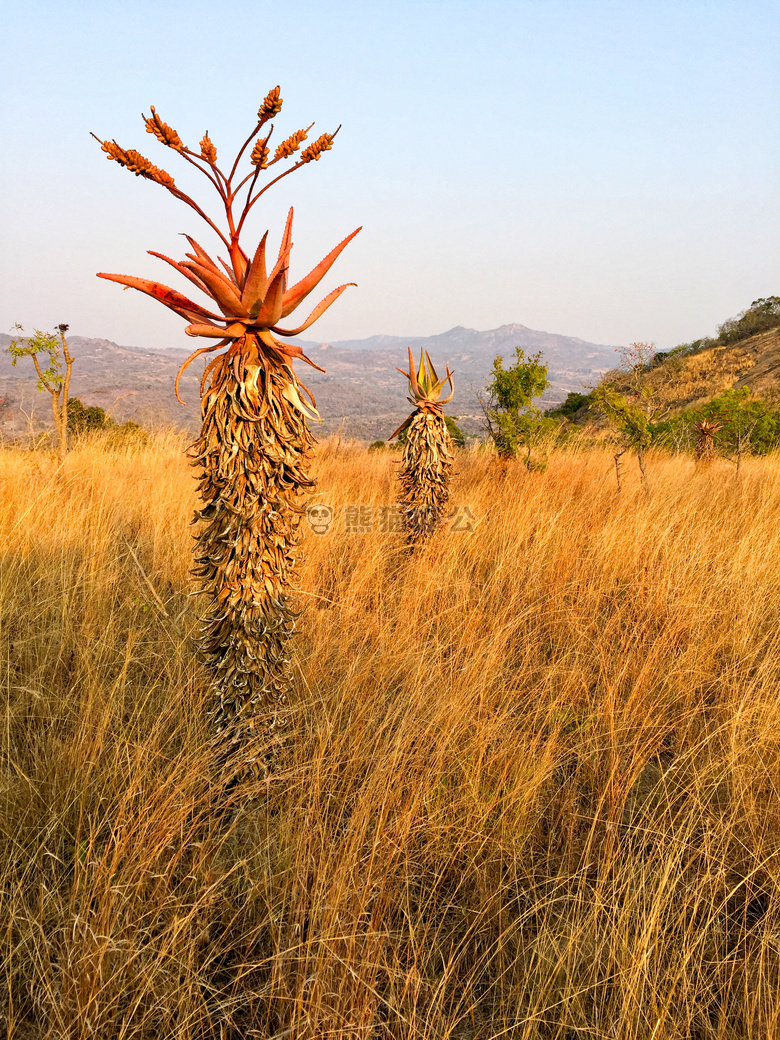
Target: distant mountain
[(128, 382), (360, 393)]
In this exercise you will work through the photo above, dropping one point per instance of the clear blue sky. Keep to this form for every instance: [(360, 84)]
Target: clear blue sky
[(601, 168)]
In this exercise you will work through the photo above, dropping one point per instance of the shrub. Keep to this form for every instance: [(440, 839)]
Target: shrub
[(86, 418), (455, 432), (761, 316), (574, 401)]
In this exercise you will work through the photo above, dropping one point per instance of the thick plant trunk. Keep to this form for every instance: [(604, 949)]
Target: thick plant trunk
[(425, 474), (253, 455), (705, 449)]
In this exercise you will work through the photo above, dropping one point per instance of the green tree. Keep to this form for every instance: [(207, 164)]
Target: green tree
[(50, 377), (513, 422), (747, 426), (633, 410), (631, 422)]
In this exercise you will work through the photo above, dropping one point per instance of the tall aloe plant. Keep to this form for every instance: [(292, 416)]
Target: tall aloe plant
[(255, 445), (427, 458)]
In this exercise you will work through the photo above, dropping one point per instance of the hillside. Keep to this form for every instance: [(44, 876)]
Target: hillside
[(682, 382), (360, 393)]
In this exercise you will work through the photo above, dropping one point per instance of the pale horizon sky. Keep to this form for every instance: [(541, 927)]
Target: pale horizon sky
[(605, 169)]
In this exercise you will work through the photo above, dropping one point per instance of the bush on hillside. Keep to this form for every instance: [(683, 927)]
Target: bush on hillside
[(86, 418), (455, 432), (747, 424), (573, 403), (761, 316)]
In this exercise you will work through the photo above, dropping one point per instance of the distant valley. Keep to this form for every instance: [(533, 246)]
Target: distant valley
[(360, 394)]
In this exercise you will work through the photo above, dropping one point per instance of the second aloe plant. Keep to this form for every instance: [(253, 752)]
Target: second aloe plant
[(427, 459)]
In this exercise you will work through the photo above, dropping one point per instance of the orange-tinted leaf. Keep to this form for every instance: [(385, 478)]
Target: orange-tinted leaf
[(201, 254), (271, 309), (167, 296), (320, 309), (402, 427), (233, 331), (182, 270), (219, 288), (302, 289), (256, 278)]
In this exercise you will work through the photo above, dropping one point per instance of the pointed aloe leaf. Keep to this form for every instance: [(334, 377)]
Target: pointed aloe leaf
[(268, 311), (201, 254), (291, 350), (231, 275), (301, 290), (219, 288), (291, 394), (185, 365), (168, 297), (319, 310), (271, 310), (402, 427), (414, 386), (240, 262), (286, 243), (234, 331), (256, 277), (422, 374), (182, 270), (431, 368)]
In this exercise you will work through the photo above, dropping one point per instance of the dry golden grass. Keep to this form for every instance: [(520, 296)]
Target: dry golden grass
[(533, 791)]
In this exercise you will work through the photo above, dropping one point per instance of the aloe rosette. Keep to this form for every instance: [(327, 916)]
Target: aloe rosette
[(426, 466)]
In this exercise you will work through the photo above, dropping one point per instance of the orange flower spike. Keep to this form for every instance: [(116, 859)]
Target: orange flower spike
[(259, 155), (207, 150), (315, 150), (136, 163), (165, 134), (291, 145), (250, 300), (271, 106)]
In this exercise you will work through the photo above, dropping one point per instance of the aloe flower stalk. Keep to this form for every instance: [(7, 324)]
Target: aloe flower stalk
[(427, 459), (255, 445)]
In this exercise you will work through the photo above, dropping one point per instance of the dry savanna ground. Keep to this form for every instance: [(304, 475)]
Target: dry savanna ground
[(532, 790)]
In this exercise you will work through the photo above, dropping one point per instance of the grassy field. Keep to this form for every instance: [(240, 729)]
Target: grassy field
[(532, 790)]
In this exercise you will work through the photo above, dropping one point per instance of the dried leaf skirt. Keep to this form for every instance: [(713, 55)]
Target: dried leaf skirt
[(253, 456), (425, 475)]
